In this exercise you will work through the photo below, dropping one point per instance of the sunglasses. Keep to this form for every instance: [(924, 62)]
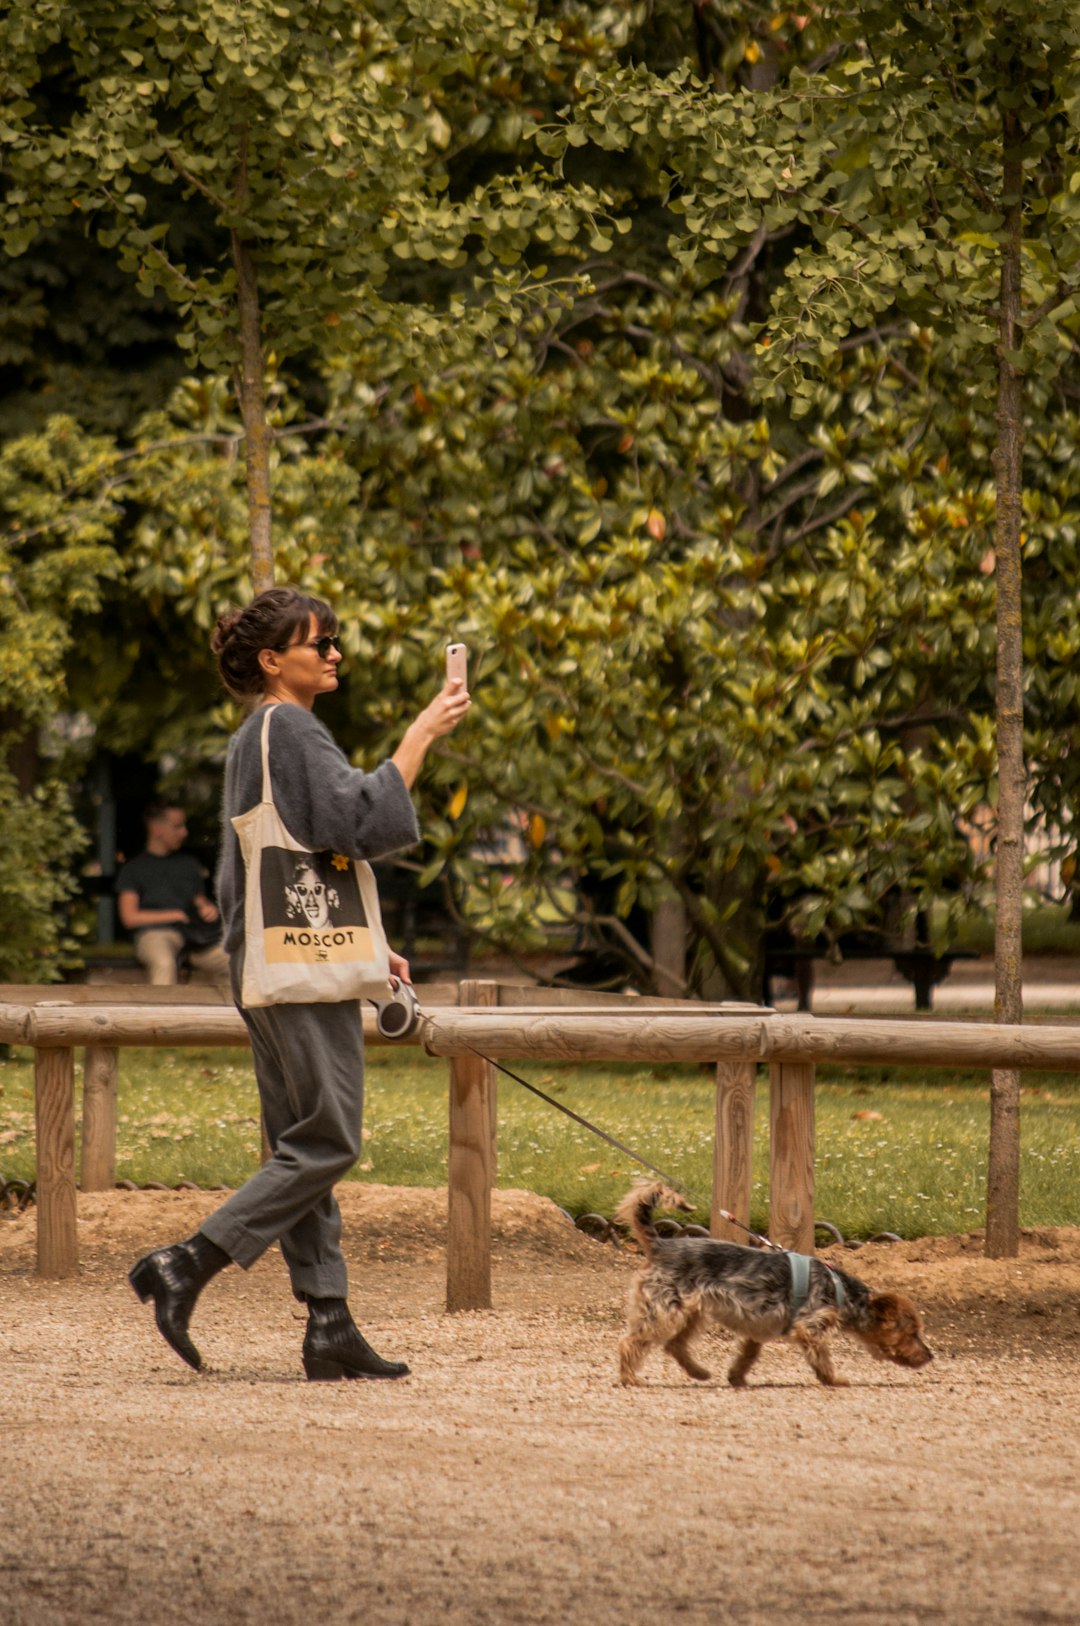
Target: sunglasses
[(322, 646)]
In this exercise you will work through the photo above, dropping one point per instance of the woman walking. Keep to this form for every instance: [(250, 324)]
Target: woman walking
[(282, 650)]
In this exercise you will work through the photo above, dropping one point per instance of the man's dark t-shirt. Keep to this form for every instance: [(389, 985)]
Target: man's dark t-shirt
[(168, 881)]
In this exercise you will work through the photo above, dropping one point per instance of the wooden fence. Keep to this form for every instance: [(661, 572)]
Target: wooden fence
[(735, 1038)]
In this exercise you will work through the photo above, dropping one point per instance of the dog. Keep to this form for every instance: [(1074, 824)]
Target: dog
[(686, 1283)]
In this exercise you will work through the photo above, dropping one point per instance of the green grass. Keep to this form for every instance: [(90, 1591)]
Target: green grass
[(917, 1169)]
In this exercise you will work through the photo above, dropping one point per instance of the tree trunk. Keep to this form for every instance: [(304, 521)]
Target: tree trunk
[(1003, 1183), (668, 922), (667, 943), (251, 388)]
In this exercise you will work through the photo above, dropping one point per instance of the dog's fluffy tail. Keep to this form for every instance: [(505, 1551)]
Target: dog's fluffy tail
[(635, 1211)]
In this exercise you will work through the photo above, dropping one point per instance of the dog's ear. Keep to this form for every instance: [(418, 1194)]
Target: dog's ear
[(896, 1311), (885, 1309)]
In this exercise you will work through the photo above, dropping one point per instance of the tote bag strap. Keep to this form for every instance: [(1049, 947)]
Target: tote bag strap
[(267, 795)]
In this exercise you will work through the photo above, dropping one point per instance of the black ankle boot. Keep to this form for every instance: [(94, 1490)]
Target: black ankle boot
[(174, 1277), (335, 1348)]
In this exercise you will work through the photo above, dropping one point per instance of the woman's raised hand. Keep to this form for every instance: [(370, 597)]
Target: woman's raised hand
[(441, 717), (447, 709)]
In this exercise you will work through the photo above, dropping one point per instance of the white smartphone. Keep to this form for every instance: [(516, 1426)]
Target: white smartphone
[(457, 663)]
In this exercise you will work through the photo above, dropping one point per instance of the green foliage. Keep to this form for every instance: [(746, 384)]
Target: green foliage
[(650, 355), (72, 334), (636, 675), (322, 139), (673, 633), (1048, 930), (58, 514), (39, 839), (895, 187), (883, 204)]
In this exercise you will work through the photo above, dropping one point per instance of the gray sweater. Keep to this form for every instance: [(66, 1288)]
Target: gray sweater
[(323, 802)]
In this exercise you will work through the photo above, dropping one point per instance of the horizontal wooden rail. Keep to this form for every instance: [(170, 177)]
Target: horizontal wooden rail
[(58, 1022), (60, 1026), (652, 1036), (733, 1037)]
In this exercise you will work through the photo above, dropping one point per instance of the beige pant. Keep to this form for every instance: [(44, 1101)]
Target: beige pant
[(159, 950)]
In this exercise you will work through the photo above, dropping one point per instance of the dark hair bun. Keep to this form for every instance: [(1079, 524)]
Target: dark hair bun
[(226, 625)]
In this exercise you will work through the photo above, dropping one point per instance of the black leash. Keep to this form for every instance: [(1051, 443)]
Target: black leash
[(676, 1185), (568, 1112), (578, 1119), (602, 1134)]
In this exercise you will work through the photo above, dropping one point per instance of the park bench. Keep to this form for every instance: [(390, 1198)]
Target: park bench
[(920, 965), (114, 964), (792, 959)]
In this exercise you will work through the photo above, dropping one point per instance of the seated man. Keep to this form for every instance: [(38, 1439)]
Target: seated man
[(162, 899)]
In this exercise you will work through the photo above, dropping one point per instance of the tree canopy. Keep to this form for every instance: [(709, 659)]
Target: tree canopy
[(650, 350)]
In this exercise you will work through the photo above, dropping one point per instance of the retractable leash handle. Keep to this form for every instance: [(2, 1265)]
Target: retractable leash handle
[(399, 1016)]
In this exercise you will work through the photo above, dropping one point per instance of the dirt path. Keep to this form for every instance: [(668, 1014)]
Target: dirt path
[(509, 1480)]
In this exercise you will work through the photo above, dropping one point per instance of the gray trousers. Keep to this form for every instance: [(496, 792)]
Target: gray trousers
[(309, 1064)]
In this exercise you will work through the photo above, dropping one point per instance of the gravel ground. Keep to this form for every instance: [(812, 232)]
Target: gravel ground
[(510, 1480)]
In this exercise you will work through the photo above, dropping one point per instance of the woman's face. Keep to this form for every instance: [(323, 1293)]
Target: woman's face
[(311, 896), (299, 672)]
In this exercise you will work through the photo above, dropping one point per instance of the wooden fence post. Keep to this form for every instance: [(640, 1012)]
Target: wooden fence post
[(791, 1155), (54, 1113), (100, 1072), (471, 1170), (733, 1146)]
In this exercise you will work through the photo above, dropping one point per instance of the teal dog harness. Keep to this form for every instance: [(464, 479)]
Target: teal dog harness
[(800, 1285)]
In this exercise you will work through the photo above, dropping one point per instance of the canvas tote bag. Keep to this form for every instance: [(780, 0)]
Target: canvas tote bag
[(313, 932)]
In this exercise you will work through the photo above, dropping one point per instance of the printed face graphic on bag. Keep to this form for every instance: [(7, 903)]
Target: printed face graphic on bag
[(309, 898), (312, 910)]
